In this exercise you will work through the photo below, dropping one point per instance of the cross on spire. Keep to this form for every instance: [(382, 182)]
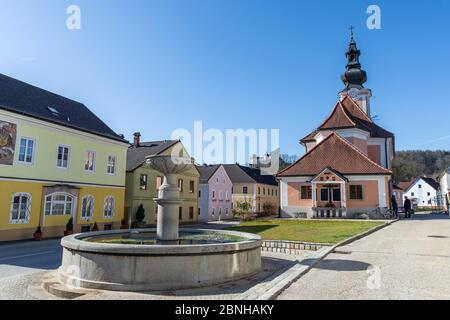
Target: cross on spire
[(351, 32)]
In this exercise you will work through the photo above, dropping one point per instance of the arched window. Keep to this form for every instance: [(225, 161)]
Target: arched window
[(59, 204), (20, 208), (87, 207), (109, 207)]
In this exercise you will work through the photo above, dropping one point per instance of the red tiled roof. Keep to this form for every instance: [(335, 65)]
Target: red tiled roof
[(348, 114), (337, 153), (405, 184), (338, 119)]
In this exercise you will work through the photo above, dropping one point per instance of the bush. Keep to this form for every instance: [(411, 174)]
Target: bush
[(243, 211), (140, 214), (69, 225)]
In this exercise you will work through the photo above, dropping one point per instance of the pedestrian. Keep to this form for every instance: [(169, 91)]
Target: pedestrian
[(407, 207), (394, 205)]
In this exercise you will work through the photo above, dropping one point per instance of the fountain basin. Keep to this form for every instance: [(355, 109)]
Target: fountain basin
[(91, 262)]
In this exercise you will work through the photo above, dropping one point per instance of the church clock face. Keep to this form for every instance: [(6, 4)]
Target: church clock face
[(354, 93)]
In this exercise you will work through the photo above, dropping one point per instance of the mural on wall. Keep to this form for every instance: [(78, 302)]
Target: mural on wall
[(8, 132)]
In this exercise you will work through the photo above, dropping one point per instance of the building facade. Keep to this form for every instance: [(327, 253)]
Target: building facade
[(444, 181), (423, 192), (249, 185), (143, 183), (347, 166), (57, 161), (215, 195)]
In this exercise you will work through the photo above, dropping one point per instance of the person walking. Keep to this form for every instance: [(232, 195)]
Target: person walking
[(407, 207), (394, 205)]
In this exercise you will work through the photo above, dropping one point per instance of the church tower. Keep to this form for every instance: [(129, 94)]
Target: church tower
[(354, 78)]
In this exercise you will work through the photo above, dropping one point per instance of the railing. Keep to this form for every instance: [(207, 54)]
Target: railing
[(326, 212)]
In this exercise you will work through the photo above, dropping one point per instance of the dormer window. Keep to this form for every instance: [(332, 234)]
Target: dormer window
[(53, 110)]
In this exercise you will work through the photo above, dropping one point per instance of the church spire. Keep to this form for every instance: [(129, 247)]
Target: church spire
[(354, 76)]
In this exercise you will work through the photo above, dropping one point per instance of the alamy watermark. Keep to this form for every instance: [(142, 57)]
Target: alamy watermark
[(374, 20), (73, 21), (212, 146), (374, 279)]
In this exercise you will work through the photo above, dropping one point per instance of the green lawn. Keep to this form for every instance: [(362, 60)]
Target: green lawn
[(305, 230)]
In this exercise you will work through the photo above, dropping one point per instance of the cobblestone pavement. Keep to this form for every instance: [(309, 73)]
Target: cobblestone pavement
[(408, 260), (274, 264)]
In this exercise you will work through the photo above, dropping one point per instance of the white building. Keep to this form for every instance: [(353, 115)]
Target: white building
[(444, 181), (423, 192)]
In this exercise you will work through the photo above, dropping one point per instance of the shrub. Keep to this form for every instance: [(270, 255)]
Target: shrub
[(140, 214)]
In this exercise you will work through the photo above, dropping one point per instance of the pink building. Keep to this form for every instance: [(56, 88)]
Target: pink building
[(215, 193)]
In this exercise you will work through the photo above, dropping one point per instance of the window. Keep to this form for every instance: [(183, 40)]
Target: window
[(58, 204), (159, 182), (85, 229), (199, 211), (226, 196), (212, 212), (259, 190), (87, 207), (356, 192), (89, 161), (180, 213), (305, 192), (191, 186), (20, 208), (226, 211), (199, 194), (324, 195), (264, 191), (143, 182), (180, 184), (107, 227), (420, 186), (63, 157), (109, 207), (191, 213), (26, 150), (428, 193), (336, 194), (214, 194), (220, 195), (244, 189), (412, 194), (111, 165)]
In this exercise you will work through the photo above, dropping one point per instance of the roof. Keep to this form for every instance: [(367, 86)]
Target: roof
[(405, 184), (206, 172), (136, 155), (435, 185), (430, 181), (337, 153), (242, 174), (19, 97), (348, 114)]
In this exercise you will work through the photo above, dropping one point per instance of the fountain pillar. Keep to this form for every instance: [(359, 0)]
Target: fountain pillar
[(168, 209)]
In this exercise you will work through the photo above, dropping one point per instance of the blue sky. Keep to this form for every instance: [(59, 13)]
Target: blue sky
[(155, 66)]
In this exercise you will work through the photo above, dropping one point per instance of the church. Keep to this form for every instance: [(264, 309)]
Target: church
[(346, 170)]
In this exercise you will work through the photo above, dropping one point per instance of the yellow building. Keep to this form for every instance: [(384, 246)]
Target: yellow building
[(57, 161), (249, 185), (143, 182)]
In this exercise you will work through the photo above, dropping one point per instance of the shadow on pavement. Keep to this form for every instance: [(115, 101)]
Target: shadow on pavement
[(339, 265)]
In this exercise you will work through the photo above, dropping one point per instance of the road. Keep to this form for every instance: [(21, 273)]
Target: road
[(27, 257), (408, 260)]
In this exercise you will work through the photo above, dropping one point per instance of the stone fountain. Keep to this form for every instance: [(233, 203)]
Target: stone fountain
[(164, 258), (169, 194)]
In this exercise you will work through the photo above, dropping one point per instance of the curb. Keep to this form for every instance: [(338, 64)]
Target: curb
[(283, 281)]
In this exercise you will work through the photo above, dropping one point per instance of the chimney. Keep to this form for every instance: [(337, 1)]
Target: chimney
[(137, 139)]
